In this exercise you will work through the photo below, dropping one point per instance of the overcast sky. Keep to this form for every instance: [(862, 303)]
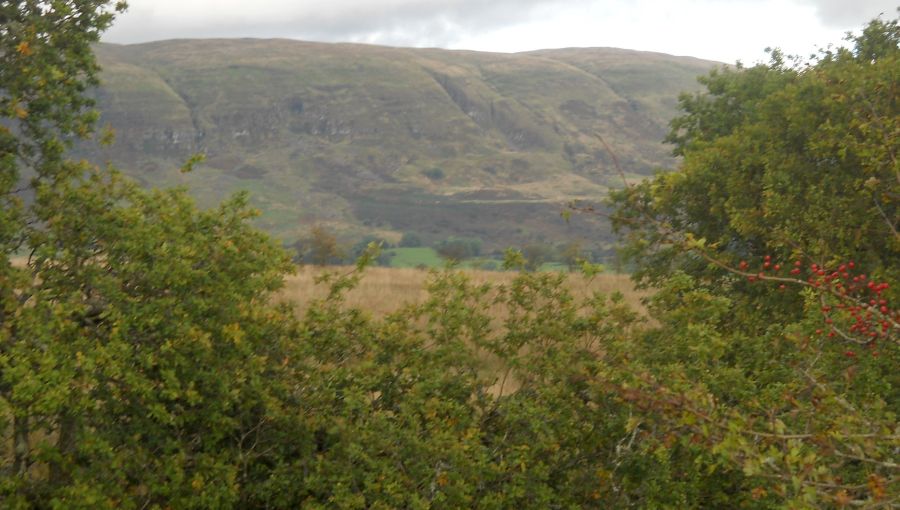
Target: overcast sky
[(723, 30)]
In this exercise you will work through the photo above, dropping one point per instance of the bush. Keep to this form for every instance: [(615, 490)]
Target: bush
[(320, 247), (435, 174), (362, 246), (459, 248), (410, 240)]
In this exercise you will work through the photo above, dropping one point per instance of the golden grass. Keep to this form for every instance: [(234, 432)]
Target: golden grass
[(385, 290)]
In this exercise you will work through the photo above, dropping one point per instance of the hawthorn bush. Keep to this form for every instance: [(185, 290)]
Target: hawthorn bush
[(775, 249)]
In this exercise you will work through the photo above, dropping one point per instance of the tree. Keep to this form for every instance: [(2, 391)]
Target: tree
[(46, 64), (781, 161), (321, 247), (775, 251), (364, 245), (457, 249), (410, 240), (536, 254), (136, 340), (572, 254)]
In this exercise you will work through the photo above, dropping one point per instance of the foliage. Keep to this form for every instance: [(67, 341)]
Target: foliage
[(143, 363), (139, 364), (774, 249), (410, 240), (572, 254), (434, 174), (781, 161), (457, 249), (320, 247), (135, 341), (362, 246), (413, 411), (536, 254)]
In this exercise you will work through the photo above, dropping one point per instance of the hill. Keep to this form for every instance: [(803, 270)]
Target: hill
[(369, 139)]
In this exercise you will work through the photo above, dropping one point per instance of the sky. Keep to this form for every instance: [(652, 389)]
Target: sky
[(721, 30)]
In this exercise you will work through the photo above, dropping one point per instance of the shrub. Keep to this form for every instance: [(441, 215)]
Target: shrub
[(435, 174)]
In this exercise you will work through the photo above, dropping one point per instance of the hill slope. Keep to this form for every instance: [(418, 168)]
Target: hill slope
[(390, 140)]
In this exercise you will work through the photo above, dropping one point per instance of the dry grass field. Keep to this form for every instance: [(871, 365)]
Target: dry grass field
[(384, 290)]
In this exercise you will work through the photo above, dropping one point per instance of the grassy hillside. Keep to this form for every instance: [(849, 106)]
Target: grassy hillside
[(366, 138)]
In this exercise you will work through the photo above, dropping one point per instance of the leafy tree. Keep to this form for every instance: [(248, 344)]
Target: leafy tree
[(775, 249), (457, 249), (363, 246), (137, 347), (46, 64), (410, 240), (781, 161), (536, 254), (572, 254), (434, 174), (321, 247)]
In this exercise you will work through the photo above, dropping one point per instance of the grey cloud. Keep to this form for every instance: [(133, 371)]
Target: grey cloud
[(392, 22), (852, 13)]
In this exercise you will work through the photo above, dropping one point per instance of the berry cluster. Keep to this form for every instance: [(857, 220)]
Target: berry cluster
[(860, 307)]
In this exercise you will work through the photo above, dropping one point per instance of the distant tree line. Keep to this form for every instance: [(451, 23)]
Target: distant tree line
[(322, 247)]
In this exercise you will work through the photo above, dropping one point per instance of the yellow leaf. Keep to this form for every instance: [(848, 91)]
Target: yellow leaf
[(633, 423), (24, 49)]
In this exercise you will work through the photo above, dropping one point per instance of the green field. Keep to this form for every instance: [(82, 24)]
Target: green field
[(415, 257), (427, 257)]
